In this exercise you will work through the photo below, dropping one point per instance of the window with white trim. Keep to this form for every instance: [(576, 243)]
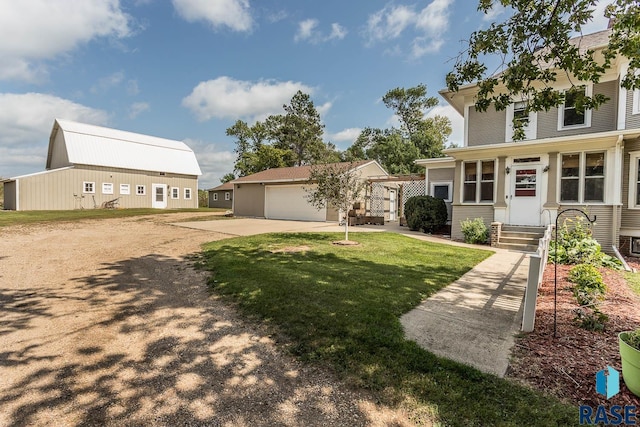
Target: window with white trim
[(107, 188), (141, 190), (88, 187), (175, 192), (187, 194), (227, 196), (634, 180), (582, 177), (125, 189), (441, 190), (516, 112), (215, 197), (636, 102), (570, 116), (478, 187)]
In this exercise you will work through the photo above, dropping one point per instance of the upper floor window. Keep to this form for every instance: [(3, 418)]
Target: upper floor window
[(571, 114), (582, 177), (479, 178), (516, 112), (636, 102)]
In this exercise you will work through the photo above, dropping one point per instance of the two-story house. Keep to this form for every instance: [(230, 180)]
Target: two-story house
[(569, 159)]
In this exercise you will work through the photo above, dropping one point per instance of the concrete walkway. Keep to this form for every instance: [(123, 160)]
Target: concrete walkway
[(472, 321)]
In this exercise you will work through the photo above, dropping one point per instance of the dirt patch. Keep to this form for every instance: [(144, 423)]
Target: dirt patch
[(567, 364), (105, 322), (291, 249)]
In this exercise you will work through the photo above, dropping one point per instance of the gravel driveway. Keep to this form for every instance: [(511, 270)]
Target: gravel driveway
[(105, 323)]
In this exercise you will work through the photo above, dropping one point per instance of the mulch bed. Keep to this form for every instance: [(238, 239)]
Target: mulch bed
[(566, 365)]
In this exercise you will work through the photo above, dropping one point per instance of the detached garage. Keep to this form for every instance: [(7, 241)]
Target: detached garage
[(280, 193)]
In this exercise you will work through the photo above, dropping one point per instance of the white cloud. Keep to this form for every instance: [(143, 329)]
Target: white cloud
[(346, 135), (132, 87), (138, 108), (277, 16), (26, 122), (599, 21), (108, 82), (37, 30), (457, 122), (324, 108), (226, 97), (214, 163), (234, 14), (426, 26), (305, 29), (308, 31), (496, 10)]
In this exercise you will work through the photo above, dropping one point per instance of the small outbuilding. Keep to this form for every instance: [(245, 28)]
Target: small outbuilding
[(281, 193), (91, 167), (221, 196)]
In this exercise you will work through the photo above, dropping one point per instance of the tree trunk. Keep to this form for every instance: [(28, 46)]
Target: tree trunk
[(346, 228)]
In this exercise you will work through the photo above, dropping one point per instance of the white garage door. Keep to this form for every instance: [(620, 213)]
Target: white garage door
[(290, 202)]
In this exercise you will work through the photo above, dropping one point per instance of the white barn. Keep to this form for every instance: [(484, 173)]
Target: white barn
[(91, 166)]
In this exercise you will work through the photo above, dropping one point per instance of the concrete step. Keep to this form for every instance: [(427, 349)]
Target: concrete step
[(518, 247), (519, 240), (521, 235), (524, 229)]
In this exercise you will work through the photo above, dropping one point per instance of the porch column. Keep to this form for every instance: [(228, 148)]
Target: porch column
[(500, 206), (551, 205), (457, 183)]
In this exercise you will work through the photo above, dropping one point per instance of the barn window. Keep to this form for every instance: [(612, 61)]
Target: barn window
[(107, 188), (175, 192), (215, 197), (227, 196), (187, 194), (125, 189), (140, 190), (88, 187)]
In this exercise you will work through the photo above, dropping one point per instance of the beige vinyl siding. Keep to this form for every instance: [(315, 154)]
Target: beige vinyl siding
[(630, 217), (371, 170), (602, 120), (603, 229), (54, 190), (462, 212), (248, 200), (10, 195), (632, 121), (486, 127), (442, 175)]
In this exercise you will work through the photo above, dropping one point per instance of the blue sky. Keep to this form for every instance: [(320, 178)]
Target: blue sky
[(188, 69)]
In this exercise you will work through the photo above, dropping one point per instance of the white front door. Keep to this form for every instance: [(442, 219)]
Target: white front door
[(159, 194), (393, 207), (524, 200)]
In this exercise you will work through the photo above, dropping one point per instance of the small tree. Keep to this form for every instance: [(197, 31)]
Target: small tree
[(338, 185)]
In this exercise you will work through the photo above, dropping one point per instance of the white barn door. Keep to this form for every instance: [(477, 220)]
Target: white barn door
[(159, 196)]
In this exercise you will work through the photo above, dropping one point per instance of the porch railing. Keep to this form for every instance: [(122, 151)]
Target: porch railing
[(537, 264)]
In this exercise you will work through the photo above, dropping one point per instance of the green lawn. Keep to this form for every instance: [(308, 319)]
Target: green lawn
[(29, 217), (340, 306), (634, 281)]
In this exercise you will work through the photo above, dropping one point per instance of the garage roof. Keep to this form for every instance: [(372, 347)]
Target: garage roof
[(225, 186), (99, 146), (295, 173)]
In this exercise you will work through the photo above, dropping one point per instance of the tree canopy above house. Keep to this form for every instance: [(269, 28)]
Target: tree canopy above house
[(536, 45)]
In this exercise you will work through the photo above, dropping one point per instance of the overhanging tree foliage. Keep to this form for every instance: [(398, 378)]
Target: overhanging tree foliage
[(535, 48), (338, 185)]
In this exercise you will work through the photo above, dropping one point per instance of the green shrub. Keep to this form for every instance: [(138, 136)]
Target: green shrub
[(576, 245), (425, 213), (474, 230), (591, 320), (589, 287)]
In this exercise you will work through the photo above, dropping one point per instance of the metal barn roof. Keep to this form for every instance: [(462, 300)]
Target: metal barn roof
[(100, 146)]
